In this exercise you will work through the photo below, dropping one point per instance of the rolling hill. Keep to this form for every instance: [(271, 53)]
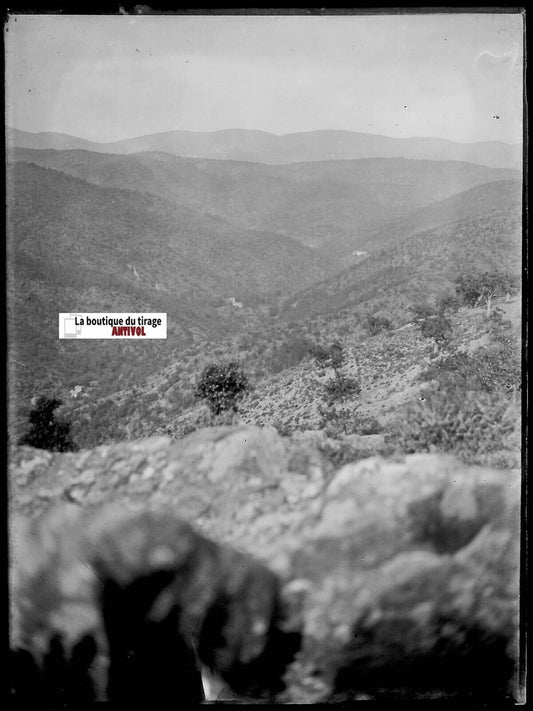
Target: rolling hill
[(334, 206), (263, 147), (481, 200), (72, 230), (75, 246), (420, 266)]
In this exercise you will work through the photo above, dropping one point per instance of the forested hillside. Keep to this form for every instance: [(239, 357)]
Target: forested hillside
[(335, 206)]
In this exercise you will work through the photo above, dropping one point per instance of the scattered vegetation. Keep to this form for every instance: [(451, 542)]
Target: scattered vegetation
[(341, 386), (493, 367), (481, 287), (471, 407), (346, 420), (422, 311), (439, 328), (475, 426), (332, 356), (447, 303), (376, 324), (341, 452)]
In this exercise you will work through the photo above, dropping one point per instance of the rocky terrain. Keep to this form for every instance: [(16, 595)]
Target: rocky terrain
[(384, 579)]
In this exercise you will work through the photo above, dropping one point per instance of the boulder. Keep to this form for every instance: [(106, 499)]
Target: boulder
[(412, 579), (390, 579)]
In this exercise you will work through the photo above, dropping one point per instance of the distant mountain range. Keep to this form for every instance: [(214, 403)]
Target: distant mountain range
[(263, 147), (334, 206)]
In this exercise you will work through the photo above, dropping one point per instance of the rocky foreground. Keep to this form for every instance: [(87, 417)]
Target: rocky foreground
[(136, 565)]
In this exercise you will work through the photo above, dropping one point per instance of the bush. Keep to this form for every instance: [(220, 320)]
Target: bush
[(46, 432), (438, 327), (339, 453), (341, 387), (477, 427), (221, 385), (492, 367), (332, 356), (367, 425), (340, 421), (422, 311), (486, 370), (376, 324), (448, 302)]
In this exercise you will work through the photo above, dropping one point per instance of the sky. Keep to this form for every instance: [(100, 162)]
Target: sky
[(456, 76)]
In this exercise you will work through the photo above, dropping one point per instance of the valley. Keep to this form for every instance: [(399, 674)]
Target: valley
[(252, 262), (266, 285), (335, 207)]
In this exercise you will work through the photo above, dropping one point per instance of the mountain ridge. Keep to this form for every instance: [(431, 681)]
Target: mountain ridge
[(274, 149), (333, 206)]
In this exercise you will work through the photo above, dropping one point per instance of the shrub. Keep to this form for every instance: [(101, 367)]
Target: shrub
[(448, 302), (221, 385), (339, 453), (376, 324), (340, 421), (368, 425), (422, 311), (46, 432), (486, 370), (475, 426), (438, 327), (341, 387)]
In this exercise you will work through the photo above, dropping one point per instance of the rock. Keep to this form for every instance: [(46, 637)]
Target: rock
[(414, 571), (205, 475), (403, 575)]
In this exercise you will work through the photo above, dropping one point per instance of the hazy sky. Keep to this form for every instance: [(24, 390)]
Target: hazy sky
[(106, 77)]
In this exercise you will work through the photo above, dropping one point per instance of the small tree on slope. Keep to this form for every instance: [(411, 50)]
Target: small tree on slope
[(221, 385), (46, 432)]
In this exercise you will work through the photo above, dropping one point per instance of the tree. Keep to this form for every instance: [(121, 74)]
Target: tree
[(221, 385), (332, 356), (46, 432), (484, 286), (341, 386)]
